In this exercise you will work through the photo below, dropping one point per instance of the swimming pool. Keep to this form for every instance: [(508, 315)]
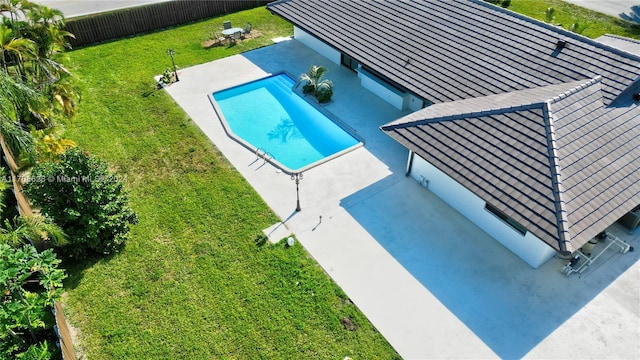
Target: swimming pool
[(271, 119)]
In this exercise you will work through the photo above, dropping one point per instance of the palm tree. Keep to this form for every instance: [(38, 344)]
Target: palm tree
[(14, 98), (23, 229), (15, 50), (16, 9), (36, 228), (45, 28), (312, 77), (321, 89), (32, 38)]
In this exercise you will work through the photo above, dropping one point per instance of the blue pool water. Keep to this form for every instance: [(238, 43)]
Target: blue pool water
[(268, 115)]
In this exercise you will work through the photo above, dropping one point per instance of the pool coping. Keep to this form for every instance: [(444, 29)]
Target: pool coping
[(271, 160)]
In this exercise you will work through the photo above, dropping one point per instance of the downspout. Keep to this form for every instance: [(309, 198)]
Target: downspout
[(409, 163)]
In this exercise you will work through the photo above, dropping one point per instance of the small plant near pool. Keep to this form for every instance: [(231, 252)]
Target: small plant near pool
[(168, 77), (321, 88)]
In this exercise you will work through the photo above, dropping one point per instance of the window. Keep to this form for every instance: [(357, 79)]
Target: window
[(348, 61), (502, 216)]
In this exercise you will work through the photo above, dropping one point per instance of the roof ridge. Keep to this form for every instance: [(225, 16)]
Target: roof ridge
[(560, 30), (462, 116), (564, 237), (575, 90), (496, 109)]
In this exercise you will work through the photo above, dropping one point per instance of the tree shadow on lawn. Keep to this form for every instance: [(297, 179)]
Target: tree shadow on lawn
[(75, 268), (510, 306)]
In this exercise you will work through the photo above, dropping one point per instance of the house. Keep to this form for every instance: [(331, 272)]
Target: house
[(529, 130)]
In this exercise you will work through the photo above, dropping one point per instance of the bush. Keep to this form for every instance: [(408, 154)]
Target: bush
[(30, 283), (308, 88), (87, 201), (503, 3), (324, 94)]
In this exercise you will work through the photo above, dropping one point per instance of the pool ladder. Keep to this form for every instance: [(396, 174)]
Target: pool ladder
[(264, 154)]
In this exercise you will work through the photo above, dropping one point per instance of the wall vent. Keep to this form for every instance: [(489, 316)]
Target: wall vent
[(424, 181)]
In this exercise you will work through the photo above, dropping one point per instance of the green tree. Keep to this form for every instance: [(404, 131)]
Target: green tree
[(15, 9), (45, 27), (30, 282), (22, 229), (85, 199), (15, 99), (50, 144), (32, 40), (15, 50)]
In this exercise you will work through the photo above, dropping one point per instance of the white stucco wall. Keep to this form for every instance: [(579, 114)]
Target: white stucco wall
[(528, 247), (414, 103), (398, 99), (316, 44), (392, 96)]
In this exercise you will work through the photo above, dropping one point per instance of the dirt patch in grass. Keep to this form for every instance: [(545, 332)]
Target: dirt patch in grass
[(348, 324), (210, 43)]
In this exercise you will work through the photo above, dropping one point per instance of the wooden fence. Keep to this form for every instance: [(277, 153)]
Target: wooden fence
[(66, 345), (24, 208), (121, 23)]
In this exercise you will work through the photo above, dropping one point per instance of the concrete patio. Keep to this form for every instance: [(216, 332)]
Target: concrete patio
[(431, 282)]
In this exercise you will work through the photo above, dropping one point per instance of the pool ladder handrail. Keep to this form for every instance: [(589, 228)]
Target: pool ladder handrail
[(265, 154)]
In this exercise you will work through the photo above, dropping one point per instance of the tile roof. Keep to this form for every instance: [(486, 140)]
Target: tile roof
[(554, 158), (546, 133), (456, 49)]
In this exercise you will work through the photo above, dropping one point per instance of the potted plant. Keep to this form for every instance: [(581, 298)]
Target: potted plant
[(168, 77)]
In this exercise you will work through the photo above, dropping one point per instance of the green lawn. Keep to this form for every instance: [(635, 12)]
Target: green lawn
[(194, 281), (595, 24)]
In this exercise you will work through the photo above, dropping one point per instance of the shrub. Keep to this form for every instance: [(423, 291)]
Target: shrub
[(30, 283), (324, 94), (87, 201), (503, 3), (308, 88)]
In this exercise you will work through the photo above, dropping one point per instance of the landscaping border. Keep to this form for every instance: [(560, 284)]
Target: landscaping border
[(24, 208)]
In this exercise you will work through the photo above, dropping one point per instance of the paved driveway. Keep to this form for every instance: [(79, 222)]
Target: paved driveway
[(431, 282), (625, 9), (73, 8)]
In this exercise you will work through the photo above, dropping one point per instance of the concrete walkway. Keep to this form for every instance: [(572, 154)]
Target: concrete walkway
[(431, 282)]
